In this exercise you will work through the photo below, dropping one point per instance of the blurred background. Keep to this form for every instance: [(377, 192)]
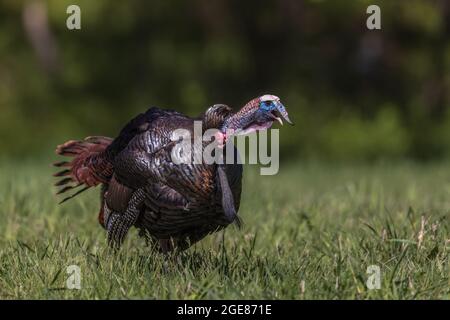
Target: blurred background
[(354, 94)]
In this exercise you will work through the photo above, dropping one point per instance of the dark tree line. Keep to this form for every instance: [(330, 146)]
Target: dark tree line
[(353, 93)]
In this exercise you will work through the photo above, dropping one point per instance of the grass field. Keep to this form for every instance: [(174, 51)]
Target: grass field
[(309, 232)]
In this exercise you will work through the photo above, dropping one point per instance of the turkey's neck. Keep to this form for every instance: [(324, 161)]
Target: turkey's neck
[(241, 118), (230, 122)]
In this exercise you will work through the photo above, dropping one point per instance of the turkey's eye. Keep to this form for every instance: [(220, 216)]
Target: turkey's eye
[(266, 105)]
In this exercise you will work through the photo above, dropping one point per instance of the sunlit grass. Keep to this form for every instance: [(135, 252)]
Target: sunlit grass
[(309, 232)]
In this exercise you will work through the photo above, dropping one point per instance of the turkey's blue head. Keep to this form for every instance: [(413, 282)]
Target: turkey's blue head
[(258, 114)]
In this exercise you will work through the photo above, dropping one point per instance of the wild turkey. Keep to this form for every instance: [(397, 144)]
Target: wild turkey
[(173, 204)]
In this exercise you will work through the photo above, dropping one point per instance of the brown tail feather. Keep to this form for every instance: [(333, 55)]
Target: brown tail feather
[(73, 195), (89, 165), (61, 164), (62, 173), (63, 182)]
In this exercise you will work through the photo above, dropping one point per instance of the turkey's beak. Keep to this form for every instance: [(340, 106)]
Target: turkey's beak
[(276, 116), (283, 113)]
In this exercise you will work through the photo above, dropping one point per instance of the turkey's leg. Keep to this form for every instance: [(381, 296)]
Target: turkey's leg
[(118, 224), (166, 245)]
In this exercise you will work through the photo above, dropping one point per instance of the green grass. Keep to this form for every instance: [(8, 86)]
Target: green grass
[(309, 232)]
